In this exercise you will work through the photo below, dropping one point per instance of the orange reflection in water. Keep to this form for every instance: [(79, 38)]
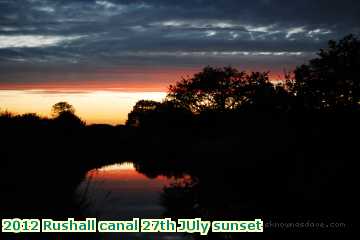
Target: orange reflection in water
[(118, 191), (124, 176)]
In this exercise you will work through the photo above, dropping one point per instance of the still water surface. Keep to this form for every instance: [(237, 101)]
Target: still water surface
[(119, 192)]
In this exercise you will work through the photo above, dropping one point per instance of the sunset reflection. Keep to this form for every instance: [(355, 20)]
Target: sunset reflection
[(120, 191), (124, 175)]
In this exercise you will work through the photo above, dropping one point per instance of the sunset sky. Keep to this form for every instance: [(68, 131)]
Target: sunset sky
[(103, 56)]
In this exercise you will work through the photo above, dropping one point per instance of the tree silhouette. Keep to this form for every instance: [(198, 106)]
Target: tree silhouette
[(212, 89), (147, 113), (259, 93), (141, 111), (62, 107), (226, 89), (330, 81), (64, 116)]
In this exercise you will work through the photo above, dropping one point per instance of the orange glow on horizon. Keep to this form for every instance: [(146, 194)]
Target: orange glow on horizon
[(128, 80), (95, 101), (146, 81), (109, 107), (89, 86)]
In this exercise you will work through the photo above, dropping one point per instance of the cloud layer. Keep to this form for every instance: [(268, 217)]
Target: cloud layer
[(75, 40)]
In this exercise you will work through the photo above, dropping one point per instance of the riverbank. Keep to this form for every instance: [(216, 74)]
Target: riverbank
[(243, 166)]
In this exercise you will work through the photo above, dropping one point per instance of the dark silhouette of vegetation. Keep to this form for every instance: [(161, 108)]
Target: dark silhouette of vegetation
[(65, 117), (62, 107), (251, 148), (155, 115), (42, 162), (226, 89), (331, 81), (141, 111), (293, 140)]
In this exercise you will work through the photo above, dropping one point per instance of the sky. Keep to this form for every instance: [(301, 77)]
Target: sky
[(134, 49)]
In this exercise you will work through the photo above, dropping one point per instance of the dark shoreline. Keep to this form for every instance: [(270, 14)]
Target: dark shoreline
[(52, 162)]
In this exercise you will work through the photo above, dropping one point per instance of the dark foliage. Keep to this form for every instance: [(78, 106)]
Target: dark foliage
[(331, 81), (250, 148)]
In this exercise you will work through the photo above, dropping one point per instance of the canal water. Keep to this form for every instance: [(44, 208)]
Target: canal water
[(119, 192)]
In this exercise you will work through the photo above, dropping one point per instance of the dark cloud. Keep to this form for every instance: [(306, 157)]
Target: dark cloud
[(68, 37)]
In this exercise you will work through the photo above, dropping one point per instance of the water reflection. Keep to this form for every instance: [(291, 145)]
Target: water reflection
[(119, 192)]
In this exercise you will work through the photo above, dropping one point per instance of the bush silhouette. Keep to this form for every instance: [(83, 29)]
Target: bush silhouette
[(331, 81), (61, 107)]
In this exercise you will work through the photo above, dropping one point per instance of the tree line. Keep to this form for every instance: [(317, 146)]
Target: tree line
[(328, 83)]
